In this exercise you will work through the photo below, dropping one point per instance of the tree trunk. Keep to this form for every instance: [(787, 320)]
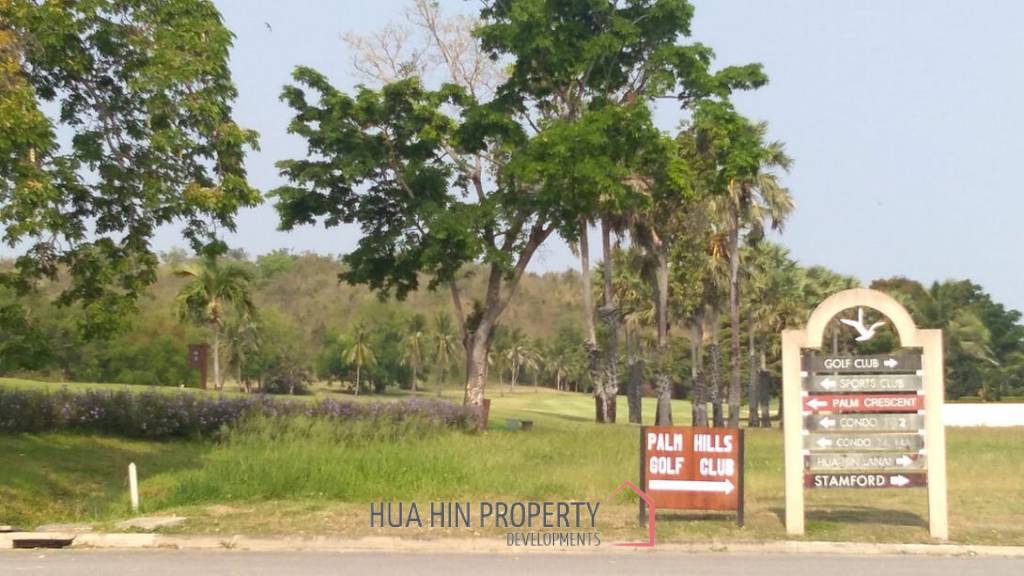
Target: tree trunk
[(357, 378), (216, 357), (476, 367), (662, 378), (717, 415), (753, 395), (590, 342), (735, 383), (414, 366), (636, 369), (700, 389), (610, 317)]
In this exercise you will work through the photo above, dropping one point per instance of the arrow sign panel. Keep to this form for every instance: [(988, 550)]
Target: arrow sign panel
[(871, 363), (883, 480), (864, 422), (864, 383), (864, 461), (860, 442), (863, 403), (723, 487)]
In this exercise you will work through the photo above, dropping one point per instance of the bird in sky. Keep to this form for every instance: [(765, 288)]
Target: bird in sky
[(864, 334)]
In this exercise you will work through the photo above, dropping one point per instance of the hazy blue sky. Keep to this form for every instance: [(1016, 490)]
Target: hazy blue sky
[(904, 118)]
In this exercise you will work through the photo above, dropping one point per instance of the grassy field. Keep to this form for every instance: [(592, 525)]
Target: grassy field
[(315, 479)]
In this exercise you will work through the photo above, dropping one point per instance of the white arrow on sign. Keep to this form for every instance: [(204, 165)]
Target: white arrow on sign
[(904, 460), (814, 403), (827, 423), (724, 486), (890, 363), (899, 480), (828, 383), (824, 443)]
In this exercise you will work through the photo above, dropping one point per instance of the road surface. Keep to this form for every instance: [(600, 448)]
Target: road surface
[(226, 563)]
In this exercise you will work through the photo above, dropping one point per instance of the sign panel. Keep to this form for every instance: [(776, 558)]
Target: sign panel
[(864, 461), (692, 468), (880, 442), (863, 403), (868, 480), (864, 422), (864, 383), (864, 363)]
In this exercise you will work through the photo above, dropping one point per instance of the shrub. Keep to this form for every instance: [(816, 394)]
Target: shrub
[(166, 415)]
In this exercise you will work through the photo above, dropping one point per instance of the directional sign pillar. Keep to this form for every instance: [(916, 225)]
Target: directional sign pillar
[(898, 399)]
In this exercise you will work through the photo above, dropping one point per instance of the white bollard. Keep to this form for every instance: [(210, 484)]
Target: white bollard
[(133, 486)]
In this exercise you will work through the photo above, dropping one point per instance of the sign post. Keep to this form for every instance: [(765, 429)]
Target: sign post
[(864, 421), (197, 354), (686, 468)]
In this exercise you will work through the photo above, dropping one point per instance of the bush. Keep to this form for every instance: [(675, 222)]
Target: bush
[(163, 415)]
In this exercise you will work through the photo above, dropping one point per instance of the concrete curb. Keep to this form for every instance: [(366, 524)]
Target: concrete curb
[(122, 541)]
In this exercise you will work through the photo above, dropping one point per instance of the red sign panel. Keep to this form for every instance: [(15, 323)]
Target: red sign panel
[(692, 468), (866, 480), (863, 403)]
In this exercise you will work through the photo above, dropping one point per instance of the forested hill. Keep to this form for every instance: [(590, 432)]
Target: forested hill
[(308, 322)]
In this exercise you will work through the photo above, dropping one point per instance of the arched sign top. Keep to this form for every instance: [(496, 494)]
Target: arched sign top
[(897, 315)]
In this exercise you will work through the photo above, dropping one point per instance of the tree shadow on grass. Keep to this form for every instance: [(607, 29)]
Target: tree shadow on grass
[(859, 515)]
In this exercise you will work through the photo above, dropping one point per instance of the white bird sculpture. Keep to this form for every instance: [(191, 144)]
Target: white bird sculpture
[(865, 334)]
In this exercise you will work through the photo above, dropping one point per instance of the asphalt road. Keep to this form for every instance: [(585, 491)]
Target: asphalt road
[(191, 563)]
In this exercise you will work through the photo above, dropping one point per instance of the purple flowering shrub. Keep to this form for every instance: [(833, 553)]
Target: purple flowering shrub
[(160, 415)]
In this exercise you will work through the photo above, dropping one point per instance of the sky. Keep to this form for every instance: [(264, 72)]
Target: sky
[(904, 120)]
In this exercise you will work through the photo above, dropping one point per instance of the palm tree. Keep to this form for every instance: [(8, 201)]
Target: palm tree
[(413, 345), (359, 352), (752, 198), (243, 337), (444, 346), (558, 364), (213, 290)]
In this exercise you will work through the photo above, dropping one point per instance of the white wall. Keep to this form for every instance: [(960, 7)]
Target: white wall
[(983, 414)]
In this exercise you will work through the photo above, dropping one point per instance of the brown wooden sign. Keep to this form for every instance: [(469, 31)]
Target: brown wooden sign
[(844, 462), (688, 468), (863, 403), (866, 480)]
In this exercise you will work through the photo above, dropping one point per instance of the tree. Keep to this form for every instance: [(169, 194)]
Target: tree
[(116, 119), (583, 77), (414, 167), (243, 337), (359, 353), (412, 346), (521, 354), (214, 290), (744, 196), (444, 347)]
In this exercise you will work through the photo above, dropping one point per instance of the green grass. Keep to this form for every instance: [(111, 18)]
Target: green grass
[(316, 479)]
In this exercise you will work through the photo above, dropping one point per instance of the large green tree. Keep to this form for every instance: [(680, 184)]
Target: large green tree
[(115, 119), (583, 76)]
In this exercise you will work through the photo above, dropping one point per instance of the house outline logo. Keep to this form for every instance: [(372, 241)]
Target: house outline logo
[(649, 502)]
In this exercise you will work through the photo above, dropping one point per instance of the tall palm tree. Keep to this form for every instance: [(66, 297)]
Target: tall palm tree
[(413, 347), (753, 198), (445, 342), (359, 351), (213, 290)]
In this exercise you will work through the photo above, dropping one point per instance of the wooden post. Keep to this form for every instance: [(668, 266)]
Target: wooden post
[(740, 461), (133, 486), (643, 475)]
